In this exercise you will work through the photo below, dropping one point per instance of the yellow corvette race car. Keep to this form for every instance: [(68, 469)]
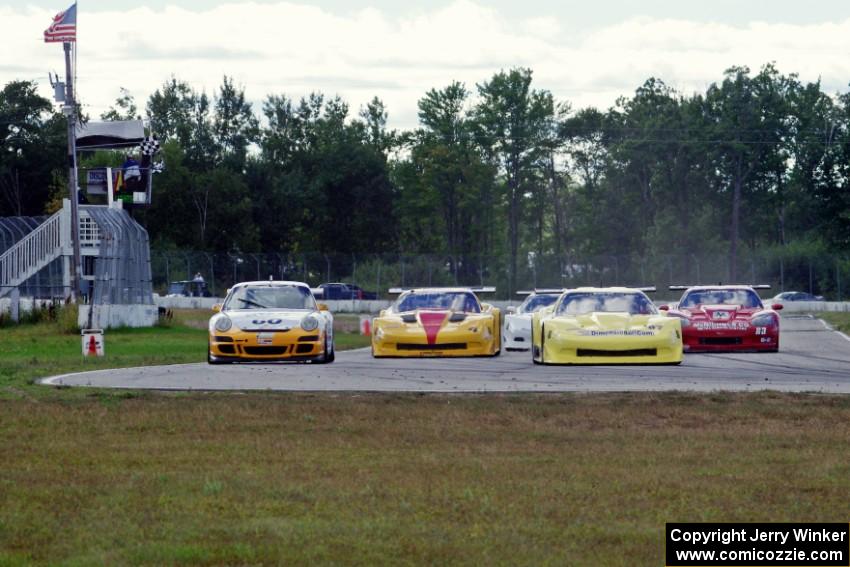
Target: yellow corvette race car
[(270, 321), (610, 325), (437, 322)]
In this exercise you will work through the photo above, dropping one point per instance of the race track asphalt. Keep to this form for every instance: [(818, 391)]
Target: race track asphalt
[(812, 358)]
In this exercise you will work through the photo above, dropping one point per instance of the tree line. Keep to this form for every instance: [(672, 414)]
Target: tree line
[(760, 160)]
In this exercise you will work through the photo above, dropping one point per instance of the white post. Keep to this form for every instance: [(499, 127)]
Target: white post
[(109, 188), (65, 241), (15, 305)]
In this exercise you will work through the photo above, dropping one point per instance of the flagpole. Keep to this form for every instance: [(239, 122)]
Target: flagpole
[(71, 113)]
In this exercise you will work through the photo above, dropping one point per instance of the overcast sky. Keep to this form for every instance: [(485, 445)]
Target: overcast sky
[(587, 53)]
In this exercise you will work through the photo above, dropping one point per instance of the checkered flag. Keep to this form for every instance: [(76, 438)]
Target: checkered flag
[(158, 167), (149, 146)]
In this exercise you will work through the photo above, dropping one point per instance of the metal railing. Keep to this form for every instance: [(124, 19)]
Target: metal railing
[(32, 253)]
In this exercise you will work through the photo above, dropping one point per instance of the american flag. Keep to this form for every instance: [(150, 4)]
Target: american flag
[(64, 26)]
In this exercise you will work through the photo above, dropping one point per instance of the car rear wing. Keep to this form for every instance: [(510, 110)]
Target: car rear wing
[(647, 289), (543, 290), (684, 287), (476, 289), (317, 291)]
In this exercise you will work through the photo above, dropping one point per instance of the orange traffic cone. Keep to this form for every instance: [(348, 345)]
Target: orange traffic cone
[(92, 350)]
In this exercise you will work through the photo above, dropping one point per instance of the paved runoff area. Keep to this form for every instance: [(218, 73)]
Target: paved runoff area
[(812, 358)]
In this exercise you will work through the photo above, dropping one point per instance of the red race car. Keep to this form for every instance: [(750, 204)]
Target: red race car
[(726, 317)]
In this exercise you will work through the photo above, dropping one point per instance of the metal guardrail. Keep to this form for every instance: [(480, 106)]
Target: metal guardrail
[(32, 253)]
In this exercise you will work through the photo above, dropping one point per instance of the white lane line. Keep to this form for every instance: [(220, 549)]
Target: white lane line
[(58, 380), (830, 328)]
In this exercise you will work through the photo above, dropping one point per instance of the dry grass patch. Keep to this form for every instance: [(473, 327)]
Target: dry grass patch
[(406, 479), (838, 320)]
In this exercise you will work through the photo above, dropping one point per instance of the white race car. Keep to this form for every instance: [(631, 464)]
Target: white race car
[(517, 331)]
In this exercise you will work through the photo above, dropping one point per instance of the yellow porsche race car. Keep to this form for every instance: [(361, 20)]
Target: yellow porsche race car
[(610, 325), (437, 322), (270, 321)]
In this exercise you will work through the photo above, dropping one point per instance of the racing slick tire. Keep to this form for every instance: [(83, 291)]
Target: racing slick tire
[(328, 355), (534, 348), (498, 327), (212, 360), (542, 344)]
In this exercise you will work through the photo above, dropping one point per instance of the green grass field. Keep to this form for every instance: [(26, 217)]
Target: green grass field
[(37, 350), (140, 478), (210, 479)]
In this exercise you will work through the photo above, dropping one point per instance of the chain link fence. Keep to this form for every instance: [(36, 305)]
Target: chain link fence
[(827, 275)]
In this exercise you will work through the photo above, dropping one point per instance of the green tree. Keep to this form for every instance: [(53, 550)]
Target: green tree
[(234, 125), (33, 146), (178, 112), (123, 109), (747, 116), (449, 166), (512, 121)]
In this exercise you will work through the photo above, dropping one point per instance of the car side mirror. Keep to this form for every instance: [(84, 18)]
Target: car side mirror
[(777, 307), (664, 308), (322, 306), (216, 308), (510, 310)]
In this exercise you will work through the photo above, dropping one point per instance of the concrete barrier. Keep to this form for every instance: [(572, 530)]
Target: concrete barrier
[(374, 306), (186, 302), (111, 316), (812, 306), (335, 305)]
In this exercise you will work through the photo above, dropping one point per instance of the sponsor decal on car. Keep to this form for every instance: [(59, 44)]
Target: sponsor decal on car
[(721, 315), (712, 326), (617, 333), (264, 339)]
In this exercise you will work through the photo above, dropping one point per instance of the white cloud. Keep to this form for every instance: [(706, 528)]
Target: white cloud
[(295, 48)]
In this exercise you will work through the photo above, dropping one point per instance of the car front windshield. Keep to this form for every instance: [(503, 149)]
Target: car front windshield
[(271, 297), (438, 300), (743, 297), (534, 303), (582, 303), (176, 288)]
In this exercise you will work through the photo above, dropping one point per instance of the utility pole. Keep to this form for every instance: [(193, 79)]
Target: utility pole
[(70, 111)]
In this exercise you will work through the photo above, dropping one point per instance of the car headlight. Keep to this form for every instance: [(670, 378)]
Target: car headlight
[(763, 321), (309, 323), (223, 324)]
